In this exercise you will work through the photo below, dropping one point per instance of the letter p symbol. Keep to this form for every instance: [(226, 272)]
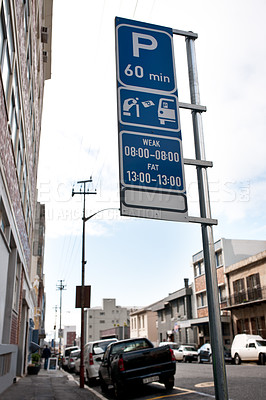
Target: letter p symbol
[(151, 45)]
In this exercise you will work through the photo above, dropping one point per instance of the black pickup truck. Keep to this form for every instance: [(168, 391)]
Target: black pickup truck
[(136, 361)]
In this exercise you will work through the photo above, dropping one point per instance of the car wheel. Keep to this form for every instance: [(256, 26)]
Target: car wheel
[(169, 384), (184, 359), (90, 381), (119, 392), (103, 385), (237, 359), (261, 359)]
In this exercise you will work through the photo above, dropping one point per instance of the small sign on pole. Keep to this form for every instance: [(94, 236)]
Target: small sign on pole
[(87, 296)]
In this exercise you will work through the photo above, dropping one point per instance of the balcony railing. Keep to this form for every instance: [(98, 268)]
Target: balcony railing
[(247, 296)]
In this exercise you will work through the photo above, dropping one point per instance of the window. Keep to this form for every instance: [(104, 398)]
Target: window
[(26, 15), (218, 259), (4, 224), (202, 299), (253, 287), (222, 294), (162, 316), (199, 268), (6, 45), (20, 152), (17, 287), (239, 291)]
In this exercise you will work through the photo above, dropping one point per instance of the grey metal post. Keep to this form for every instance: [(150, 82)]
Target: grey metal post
[(219, 372)]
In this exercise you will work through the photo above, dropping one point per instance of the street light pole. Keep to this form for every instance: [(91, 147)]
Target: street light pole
[(83, 262)]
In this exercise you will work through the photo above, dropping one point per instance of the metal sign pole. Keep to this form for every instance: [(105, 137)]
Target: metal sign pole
[(219, 372)]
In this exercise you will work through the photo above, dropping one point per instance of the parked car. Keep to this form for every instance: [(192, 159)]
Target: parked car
[(187, 353), (72, 358), (77, 364), (174, 346), (66, 354), (248, 348), (205, 354), (135, 362), (93, 354)]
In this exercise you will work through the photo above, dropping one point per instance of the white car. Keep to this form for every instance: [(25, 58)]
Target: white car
[(66, 354), (71, 359), (174, 346), (93, 354), (187, 353)]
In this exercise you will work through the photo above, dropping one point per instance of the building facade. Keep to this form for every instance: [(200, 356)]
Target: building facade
[(174, 315), (246, 281), (143, 323), (37, 274), (25, 64), (108, 316), (227, 252)]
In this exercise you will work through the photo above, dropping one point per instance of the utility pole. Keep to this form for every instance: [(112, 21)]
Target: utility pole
[(60, 287), (83, 262), (55, 307)]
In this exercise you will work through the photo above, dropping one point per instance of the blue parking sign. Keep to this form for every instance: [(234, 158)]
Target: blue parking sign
[(145, 56)]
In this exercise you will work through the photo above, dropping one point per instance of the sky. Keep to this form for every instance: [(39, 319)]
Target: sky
[(140, 261)]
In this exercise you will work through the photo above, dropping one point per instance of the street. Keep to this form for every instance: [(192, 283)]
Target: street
[(195, 381)]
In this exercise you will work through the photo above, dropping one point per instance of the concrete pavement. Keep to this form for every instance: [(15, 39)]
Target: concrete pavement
[(48, 385)]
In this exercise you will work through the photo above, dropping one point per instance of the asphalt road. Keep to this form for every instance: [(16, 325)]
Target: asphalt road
[(195, 382)]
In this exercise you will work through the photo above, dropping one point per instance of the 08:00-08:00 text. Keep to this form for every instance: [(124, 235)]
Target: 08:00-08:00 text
[(145, 153)]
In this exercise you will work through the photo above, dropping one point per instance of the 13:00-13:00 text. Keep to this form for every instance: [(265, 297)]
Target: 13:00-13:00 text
[(162, 180), (145, 153)]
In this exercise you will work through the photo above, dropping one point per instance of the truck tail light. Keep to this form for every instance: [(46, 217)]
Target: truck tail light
[(172, 355), (121, 364), (91, 359)]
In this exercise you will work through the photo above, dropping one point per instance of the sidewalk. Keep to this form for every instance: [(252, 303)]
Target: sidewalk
[(48, 385)]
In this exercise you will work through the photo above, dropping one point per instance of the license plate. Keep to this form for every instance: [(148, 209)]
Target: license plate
[(151, 379)]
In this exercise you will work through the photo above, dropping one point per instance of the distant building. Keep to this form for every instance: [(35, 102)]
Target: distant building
[(69, 335), (108, 316), (227, 252), (118, 332), (246, 281), (143, 323), (174, 315)]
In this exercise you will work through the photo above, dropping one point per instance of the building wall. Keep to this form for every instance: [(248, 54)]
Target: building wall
[(248, 303), (228, 252), (21, 97), (105, 317), (143, 324)]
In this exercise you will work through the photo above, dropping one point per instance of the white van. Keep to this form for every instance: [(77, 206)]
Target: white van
[(93, 355), (248, 348)]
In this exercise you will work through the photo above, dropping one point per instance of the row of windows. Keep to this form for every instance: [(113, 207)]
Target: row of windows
[(202, 297), (248, 289), (199, 268), (10, 78), (138, 322)]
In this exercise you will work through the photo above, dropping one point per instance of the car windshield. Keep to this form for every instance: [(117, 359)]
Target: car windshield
[(101, 346), (261, 342), (172, 345), (189, 348), (130, 346)]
